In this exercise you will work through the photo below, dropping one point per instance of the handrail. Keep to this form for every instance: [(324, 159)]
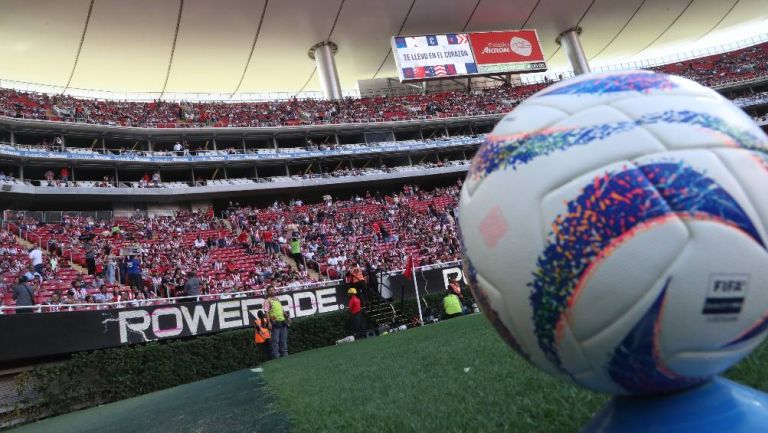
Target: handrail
[(174, 300), (246, 180), (280, 153), (39, 308), (171, 126)]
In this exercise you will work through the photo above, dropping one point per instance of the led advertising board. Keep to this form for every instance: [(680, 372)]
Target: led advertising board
[(467, 54)]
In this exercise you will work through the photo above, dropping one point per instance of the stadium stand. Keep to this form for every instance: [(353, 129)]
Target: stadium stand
[(720, 69), (295, 112), (234, 254), (717, 70), (380, 231)]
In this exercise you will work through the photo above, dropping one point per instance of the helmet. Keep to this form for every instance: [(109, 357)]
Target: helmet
[(352, 291)]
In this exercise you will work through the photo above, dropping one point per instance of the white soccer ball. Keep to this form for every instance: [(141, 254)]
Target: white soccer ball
[(614, 229)]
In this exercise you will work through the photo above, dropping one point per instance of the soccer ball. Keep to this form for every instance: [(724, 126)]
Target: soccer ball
[(614, 229)]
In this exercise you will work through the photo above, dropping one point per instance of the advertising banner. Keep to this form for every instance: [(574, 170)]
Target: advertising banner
[(510, 51), (433, 56), (431, 280), (39, 335), (467, 54), (35, 335)]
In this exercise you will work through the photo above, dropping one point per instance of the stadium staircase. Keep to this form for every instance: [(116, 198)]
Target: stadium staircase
[(383, 315), (27, 245)]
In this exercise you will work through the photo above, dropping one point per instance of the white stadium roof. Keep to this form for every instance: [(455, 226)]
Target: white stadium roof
[(225, 46)]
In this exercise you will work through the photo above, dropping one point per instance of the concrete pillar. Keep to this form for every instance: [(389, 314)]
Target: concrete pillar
[(12, 138), (21, 173), (569, 40), (322, 53)]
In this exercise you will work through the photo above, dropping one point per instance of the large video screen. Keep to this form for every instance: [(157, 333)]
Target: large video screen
[(466, 54)]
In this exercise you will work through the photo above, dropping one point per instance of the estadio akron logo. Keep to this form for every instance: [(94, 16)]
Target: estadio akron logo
[(508, 50), (521, 46)]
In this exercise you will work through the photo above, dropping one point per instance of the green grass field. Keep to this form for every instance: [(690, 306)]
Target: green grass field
[(416, 381), (453, 376)]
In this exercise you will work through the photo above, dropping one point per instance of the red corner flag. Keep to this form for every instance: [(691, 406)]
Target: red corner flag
[(409, 265)]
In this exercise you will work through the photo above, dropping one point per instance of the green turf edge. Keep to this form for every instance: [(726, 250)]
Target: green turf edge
[(237, 402)]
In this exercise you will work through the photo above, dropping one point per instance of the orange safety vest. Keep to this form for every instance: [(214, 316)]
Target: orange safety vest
[(262, 332), (356, 276)]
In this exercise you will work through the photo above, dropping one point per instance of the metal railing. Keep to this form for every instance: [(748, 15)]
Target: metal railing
[(50, 217), (85, 120), (48, 308), (44, 308), (339, 174), (285, 151)]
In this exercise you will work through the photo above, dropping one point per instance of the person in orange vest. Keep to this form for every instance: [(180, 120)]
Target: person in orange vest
[(356, 279), (454, 286), (262, 336)]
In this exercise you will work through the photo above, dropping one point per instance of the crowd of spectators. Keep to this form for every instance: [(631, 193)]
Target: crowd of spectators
[(719, 69), (166, 114), (143, 259), (371, 231), (739, 65)]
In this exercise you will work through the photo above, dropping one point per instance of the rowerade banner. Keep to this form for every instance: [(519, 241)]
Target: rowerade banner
[(467, 54), (38, 335), (35, 335)]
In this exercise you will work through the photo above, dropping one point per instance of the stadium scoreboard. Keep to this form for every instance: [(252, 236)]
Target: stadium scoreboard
[(467, 54)]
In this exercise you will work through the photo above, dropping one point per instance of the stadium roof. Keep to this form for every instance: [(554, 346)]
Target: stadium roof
[(261, 45)]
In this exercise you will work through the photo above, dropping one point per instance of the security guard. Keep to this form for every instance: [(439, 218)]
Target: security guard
[(278, 323), (451, 305)]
